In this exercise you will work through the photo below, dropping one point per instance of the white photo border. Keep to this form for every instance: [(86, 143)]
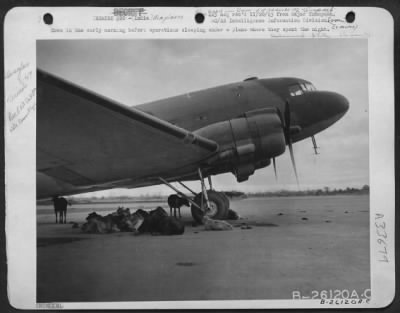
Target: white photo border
[(23, 26)]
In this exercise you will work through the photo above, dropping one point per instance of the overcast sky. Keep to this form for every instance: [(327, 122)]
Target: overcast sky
[(137, 71)]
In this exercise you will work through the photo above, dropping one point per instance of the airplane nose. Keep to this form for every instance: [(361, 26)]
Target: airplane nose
[(316, 111), (340, 103), (331, 105)]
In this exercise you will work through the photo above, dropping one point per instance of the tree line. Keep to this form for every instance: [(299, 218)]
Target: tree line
[(326, 191)]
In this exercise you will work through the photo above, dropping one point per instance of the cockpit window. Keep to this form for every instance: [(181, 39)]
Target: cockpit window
[(307, 87), (299, 89), (295, 90)]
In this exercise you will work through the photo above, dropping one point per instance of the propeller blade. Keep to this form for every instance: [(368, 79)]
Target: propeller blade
[(286, 122), (288, 137), (293, 161), (287, 116), (273, 161), (314, 145), (286, 125)]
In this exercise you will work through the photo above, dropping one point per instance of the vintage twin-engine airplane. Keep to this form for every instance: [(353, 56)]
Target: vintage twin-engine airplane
[(87, 142)]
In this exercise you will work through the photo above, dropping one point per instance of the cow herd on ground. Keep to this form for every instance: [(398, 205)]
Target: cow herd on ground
[(155, 222)]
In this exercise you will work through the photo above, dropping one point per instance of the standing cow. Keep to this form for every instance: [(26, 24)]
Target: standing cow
[(175, 202), (60, 209)]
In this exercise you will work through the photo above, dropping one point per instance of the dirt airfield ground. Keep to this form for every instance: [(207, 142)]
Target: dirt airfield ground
[(295, 244)]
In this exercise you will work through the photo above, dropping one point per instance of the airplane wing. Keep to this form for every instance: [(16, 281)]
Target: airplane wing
[(84, 139)]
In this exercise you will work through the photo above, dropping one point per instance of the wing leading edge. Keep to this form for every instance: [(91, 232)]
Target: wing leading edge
[(85, 141)]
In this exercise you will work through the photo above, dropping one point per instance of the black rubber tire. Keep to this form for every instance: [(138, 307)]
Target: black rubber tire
[(218, 199), (225, 198)]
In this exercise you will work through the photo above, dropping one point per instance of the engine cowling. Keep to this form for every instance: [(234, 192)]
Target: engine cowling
[(248, 142)]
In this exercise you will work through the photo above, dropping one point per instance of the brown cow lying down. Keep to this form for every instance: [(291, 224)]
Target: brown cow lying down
[(98, 224), (210, 224), (155, 222), (127, 221), (158, 222), (114, 222)]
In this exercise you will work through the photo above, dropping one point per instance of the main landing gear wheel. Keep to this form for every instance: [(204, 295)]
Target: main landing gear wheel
[(219, 206), (225, 198)]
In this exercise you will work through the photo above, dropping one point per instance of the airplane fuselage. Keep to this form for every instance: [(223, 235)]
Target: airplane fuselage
[(240, 117), (315, 111), (250, 120), (198, 109)]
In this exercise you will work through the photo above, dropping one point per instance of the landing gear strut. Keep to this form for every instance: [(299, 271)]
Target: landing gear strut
[(214, 204), (209, 202)]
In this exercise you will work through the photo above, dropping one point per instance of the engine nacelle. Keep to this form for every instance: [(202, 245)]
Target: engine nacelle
[(248, 142)]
